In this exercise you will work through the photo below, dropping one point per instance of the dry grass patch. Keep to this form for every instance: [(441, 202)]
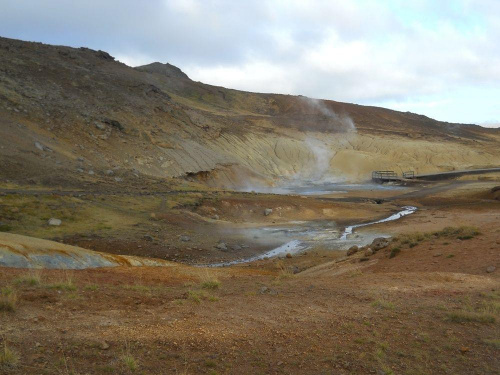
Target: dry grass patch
[(381, 304), (470, 317), (8, 299), (31, 278), (66, 282), (8, 357)]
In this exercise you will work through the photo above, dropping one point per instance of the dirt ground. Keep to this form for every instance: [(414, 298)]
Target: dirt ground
[(432, 309)]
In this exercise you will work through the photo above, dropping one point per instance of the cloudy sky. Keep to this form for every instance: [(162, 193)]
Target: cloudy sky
[(438, 58)]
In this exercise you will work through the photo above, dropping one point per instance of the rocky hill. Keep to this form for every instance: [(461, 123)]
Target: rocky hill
[(73, 116)]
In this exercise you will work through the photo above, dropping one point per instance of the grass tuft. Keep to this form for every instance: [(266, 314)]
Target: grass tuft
[(32, 278), (211, 284), (383, 305), (64, 283), (8, 358), (8, 300)]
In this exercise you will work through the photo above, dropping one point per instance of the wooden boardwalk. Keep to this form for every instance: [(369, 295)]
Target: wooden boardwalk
[(392, 176)]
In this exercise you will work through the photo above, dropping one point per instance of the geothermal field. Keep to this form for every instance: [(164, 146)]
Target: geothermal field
[(151, 224)]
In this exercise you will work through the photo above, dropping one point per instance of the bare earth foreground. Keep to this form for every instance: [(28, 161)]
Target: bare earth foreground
[(433, 308)]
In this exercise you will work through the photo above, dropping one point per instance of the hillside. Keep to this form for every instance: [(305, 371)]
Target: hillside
[(77, 116)]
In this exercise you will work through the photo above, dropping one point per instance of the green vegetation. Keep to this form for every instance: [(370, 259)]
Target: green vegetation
[(462, 233), (468, 317), (211, 284), (32, 278), (64, 283)]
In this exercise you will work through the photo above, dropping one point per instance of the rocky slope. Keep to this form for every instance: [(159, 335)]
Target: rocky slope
[(71, 116)]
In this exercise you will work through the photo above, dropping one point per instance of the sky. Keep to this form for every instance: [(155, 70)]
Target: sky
[(437, 58)]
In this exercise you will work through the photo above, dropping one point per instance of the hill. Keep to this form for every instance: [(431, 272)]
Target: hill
[(73, 116)]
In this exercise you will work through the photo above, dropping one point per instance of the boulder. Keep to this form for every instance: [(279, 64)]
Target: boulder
[(368, 252), (379, 243), (268, 211), (221, 246), (54, 222), (490, 269), (352, 250), (185, 238)]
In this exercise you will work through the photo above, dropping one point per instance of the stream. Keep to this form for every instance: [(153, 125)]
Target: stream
[(303, 234)]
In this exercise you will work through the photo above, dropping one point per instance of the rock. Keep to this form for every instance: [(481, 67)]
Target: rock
[(100, 125), (185, 238), (54, 222), (147, 237), (368, 252), (118, 179), (491, 269), (288, 255), (364, 259), (104, 345), (80, 170), (268, 211), (295, 270), (437, 255), (91, 172), (266, 290), (236, 247), (109, 172), (216, 217), (221, 246), (39, 146), (379, 243), (352, 250)]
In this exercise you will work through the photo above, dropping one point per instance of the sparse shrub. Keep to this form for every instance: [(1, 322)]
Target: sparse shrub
[(8, 300), (8, 358), (194, 296), (468, 317), (450, 256), (211, 284), (92, 287), (395, 251)]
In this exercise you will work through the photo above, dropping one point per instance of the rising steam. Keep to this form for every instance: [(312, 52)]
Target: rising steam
[(328, 119)]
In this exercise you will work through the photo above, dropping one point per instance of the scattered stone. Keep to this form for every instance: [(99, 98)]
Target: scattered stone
[(80, 170), (149, 238), (295, 270), (118, 179), (379, 243), (100, 125), (266, 290), (221, 246), (437, 255), (236, 247), (185, 238), (352, 250), (37, 344), (216, 217), (104, 345), (39, 146), (491, 269), (109, 172), (268, 211), (54, 222), (368, 252), (91, 172), (288, 255)]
